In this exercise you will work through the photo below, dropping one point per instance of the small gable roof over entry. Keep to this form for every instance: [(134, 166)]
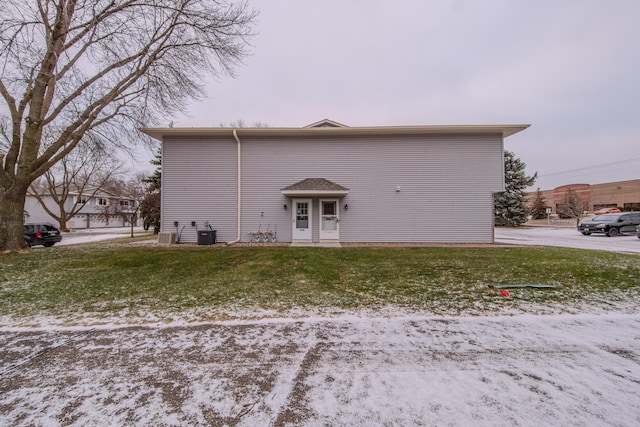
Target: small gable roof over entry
[(315, 187)]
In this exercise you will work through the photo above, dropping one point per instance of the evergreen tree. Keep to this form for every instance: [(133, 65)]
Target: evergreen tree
[(154, 180), (510, 206), (150, 207), (539, 208)]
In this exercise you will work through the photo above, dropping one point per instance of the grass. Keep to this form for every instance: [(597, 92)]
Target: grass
[(120, 283)]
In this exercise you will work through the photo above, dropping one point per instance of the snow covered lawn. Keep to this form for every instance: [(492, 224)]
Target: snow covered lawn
[(401, 369), (525, 370)]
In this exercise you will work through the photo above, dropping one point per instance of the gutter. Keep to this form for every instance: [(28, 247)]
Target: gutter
[(235, 135)]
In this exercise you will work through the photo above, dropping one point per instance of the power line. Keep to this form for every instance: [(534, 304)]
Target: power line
[(590, 168)]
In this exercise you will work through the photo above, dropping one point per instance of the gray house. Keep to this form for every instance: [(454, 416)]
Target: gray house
[(93, 207), (329, 184)]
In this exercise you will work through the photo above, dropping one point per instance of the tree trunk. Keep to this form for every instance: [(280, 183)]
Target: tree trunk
[(63, 220), (12, 218)]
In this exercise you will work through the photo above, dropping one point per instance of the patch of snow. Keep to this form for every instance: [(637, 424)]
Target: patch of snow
[(90, 235), (525, 370), (386, 366)]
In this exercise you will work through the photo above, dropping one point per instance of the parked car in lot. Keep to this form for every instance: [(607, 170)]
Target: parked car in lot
[(41, 234), (606, 211), (611, 224)]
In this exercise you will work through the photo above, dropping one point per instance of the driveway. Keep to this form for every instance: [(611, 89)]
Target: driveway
[(566, 237), (88, 235), (525, 371)]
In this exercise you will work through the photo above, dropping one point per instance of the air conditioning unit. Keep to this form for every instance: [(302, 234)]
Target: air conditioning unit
[(166, 238)]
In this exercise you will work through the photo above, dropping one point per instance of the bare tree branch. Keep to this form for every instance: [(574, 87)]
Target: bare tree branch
[(77, 69), (83, 172)]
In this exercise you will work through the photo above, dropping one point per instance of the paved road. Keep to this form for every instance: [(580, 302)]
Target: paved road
[(526, 371), (96, 234), (566, 237)]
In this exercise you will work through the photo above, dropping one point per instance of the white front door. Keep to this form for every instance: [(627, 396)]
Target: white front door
[(329, 221), (301, 219)]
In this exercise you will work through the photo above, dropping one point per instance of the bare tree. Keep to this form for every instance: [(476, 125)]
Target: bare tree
[(82, 172), (76, 69), (572, 206), (240, 123), (126, 199)]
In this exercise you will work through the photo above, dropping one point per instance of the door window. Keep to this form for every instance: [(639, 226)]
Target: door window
[(302, 215), (329, 227), (329, 219)]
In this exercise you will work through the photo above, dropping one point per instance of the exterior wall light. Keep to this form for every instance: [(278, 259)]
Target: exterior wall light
[(284, 206), (346, 207)]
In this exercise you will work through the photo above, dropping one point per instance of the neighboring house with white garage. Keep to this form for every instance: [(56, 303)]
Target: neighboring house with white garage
[(99, 209), (329, 184)]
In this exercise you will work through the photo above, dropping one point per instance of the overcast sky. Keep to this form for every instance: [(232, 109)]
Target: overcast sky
[(569, 68)]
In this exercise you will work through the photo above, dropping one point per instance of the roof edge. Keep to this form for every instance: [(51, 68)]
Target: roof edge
[(503, 130)]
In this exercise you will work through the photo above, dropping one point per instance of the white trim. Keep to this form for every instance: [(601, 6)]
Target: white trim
[(331, 235), (239, 189), (319, 193), (301, 234), (502, 130)]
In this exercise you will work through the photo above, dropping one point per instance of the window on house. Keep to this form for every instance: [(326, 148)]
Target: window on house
[(82, 200), (124, 203), (102, 202)]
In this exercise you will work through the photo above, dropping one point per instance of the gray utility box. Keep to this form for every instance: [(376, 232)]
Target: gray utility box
[(166, 238), (206, 237)]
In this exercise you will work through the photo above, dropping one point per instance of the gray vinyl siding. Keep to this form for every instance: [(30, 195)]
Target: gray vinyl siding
[(199, 184), (446, 185)]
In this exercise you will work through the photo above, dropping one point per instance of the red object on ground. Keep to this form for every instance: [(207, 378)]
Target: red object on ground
[(505, 293)]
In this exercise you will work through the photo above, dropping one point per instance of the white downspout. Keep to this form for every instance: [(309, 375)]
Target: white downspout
[(235, 135)]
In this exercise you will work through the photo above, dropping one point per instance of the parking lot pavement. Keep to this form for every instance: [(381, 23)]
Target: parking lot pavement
[(96, 234), (523, 370), (566, 237)]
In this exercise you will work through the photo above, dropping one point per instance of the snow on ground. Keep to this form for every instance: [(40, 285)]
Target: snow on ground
[(507, 371), (525, 370)]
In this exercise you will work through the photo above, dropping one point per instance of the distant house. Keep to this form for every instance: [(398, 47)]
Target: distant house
[(329, 184), (100, 209)]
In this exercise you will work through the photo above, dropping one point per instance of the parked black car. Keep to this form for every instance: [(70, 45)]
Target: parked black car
[(611, 224), (41, 234)]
